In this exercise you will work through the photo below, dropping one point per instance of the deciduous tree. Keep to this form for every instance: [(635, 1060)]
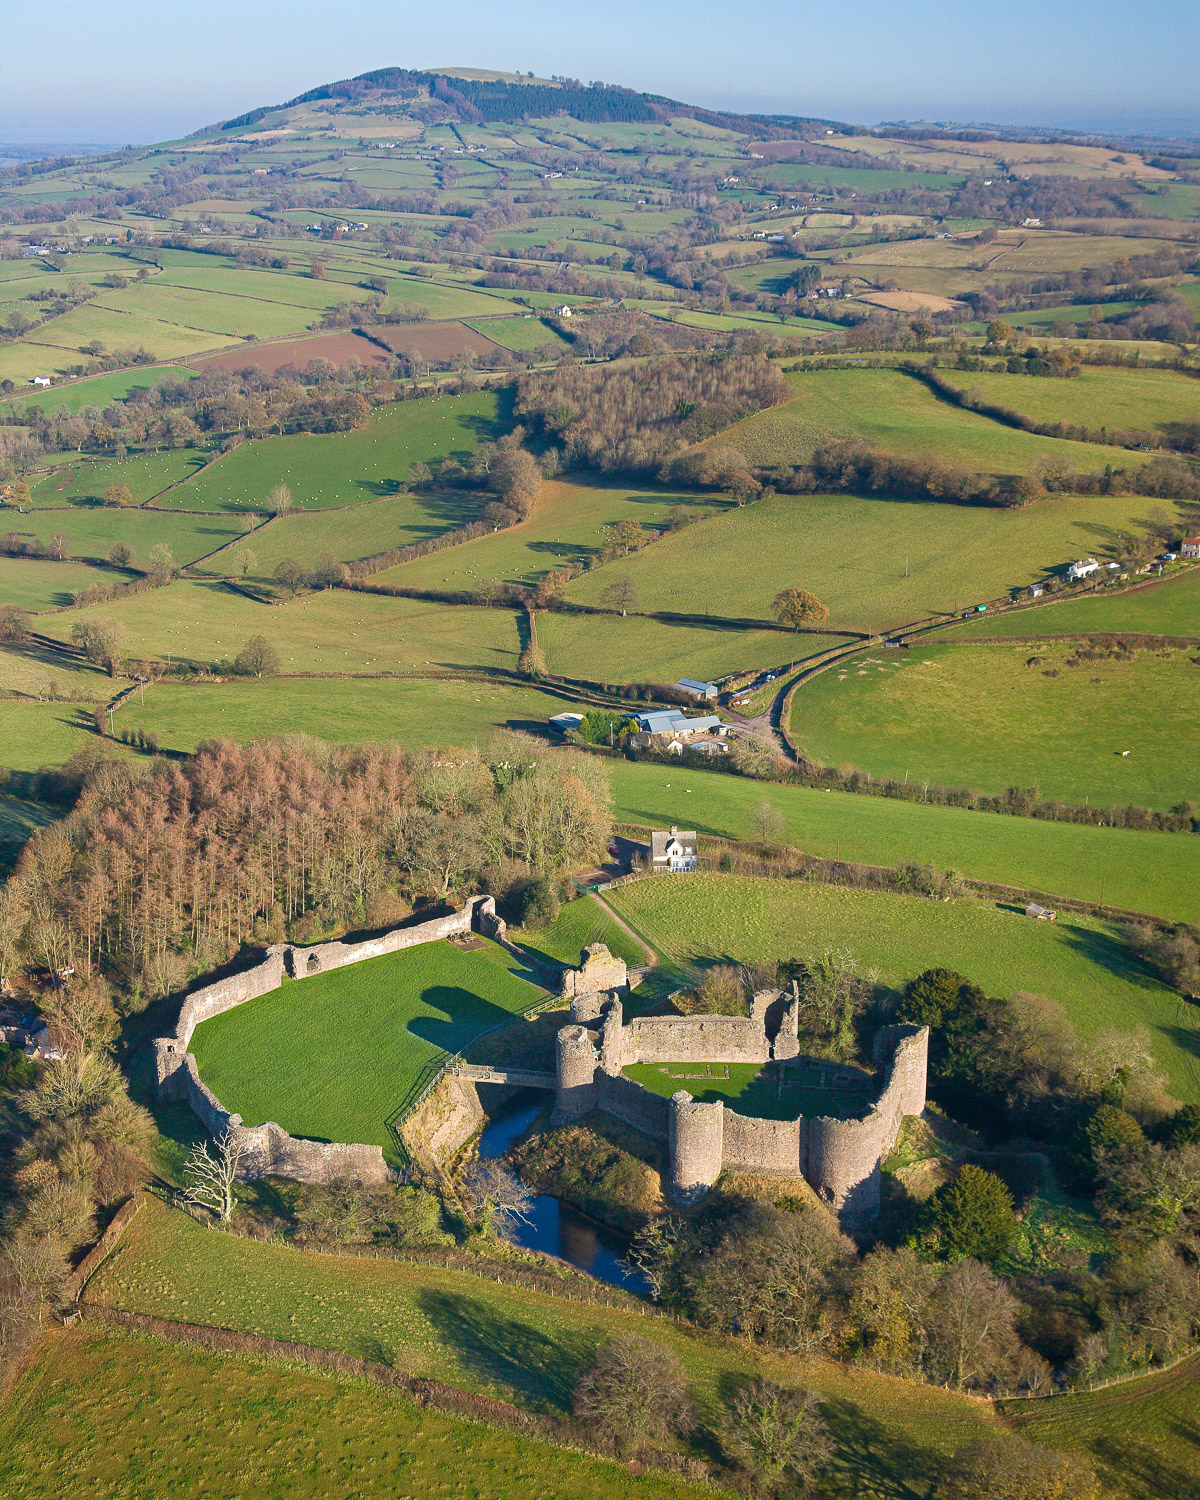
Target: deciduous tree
[(799, 609)]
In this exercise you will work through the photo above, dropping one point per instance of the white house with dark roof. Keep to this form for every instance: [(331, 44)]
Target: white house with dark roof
[(674, 851)]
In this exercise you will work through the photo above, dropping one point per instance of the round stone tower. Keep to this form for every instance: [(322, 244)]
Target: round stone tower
[(575, 1072), (697, 1133)]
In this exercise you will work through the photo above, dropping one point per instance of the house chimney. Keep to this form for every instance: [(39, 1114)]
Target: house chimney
[(674, 830)]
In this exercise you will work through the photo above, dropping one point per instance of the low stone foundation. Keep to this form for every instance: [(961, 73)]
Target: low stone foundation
[(269, 1151)]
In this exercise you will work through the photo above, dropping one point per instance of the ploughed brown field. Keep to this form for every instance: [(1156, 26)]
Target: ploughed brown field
[(434, 340), (337, 348)]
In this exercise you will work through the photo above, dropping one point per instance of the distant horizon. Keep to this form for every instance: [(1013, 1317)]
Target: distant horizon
[(150, 75), (1150, 126)]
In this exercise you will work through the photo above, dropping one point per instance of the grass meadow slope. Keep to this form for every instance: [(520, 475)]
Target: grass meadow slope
[(1151, 872), (991, 717), (1078, 962)]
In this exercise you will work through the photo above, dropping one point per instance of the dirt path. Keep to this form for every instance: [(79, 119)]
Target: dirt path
[(651, 956)]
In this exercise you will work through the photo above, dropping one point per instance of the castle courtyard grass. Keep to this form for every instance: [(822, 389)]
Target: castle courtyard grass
[(809, 1087), (1079, 962), (333, 1055)]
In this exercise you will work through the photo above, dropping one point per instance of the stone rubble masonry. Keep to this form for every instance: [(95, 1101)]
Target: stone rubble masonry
[(268, 1150), (840, 1158), (697, 1144), (600, 974)]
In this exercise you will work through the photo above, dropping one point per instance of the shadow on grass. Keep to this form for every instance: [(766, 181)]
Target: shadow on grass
[(1144, 1474), (501, 1349), (869, 1458)]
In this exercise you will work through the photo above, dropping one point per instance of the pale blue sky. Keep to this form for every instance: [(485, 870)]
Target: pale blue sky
[(143, 70)]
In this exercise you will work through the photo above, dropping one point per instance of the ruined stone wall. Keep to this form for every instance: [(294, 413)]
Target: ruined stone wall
[(662, 1039), (600, 973), (844, 1156), (776, 1146), (324, 956), (696, 1136), (270, 1150), (840, 1158), (211, 1001), (636, 1106)]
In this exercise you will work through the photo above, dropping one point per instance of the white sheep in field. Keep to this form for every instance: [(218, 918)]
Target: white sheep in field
[(1124, 753)]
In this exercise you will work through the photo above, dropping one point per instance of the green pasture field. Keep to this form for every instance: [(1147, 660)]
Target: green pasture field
[(1040, 320), (1079, 962), (360, 530), (231, 317), (992, 717), (607, 648), (1171, 607), (877, 564), (99, 390), (1141, 1437), (30, 583), (93, 531), (568, 525), (294, 288), (519, 333), (753, 1090), (723, 323), (34, 736), (83, 481), (333, 1055), (349, 710), (1095, 398), (334, 469), (258, 1429), (333, 631), (27, 669), (528, 1347), (121, 330), (443, 301), (1063, 250), (20, 819), (1150, 872), (896, 413), (579, 924), (1171, 200)]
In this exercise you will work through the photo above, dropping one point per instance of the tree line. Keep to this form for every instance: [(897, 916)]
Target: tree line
[(629, 418), (168, 871)]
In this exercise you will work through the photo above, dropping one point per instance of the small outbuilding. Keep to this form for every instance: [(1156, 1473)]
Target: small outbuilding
[(698, 689), (1040, 913)]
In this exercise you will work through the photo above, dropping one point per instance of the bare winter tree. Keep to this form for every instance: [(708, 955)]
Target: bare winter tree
[(209, 1178), (498, 1199)]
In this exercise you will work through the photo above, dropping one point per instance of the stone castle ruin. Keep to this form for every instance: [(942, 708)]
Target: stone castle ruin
[(839, 1158), (268, 1150)]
